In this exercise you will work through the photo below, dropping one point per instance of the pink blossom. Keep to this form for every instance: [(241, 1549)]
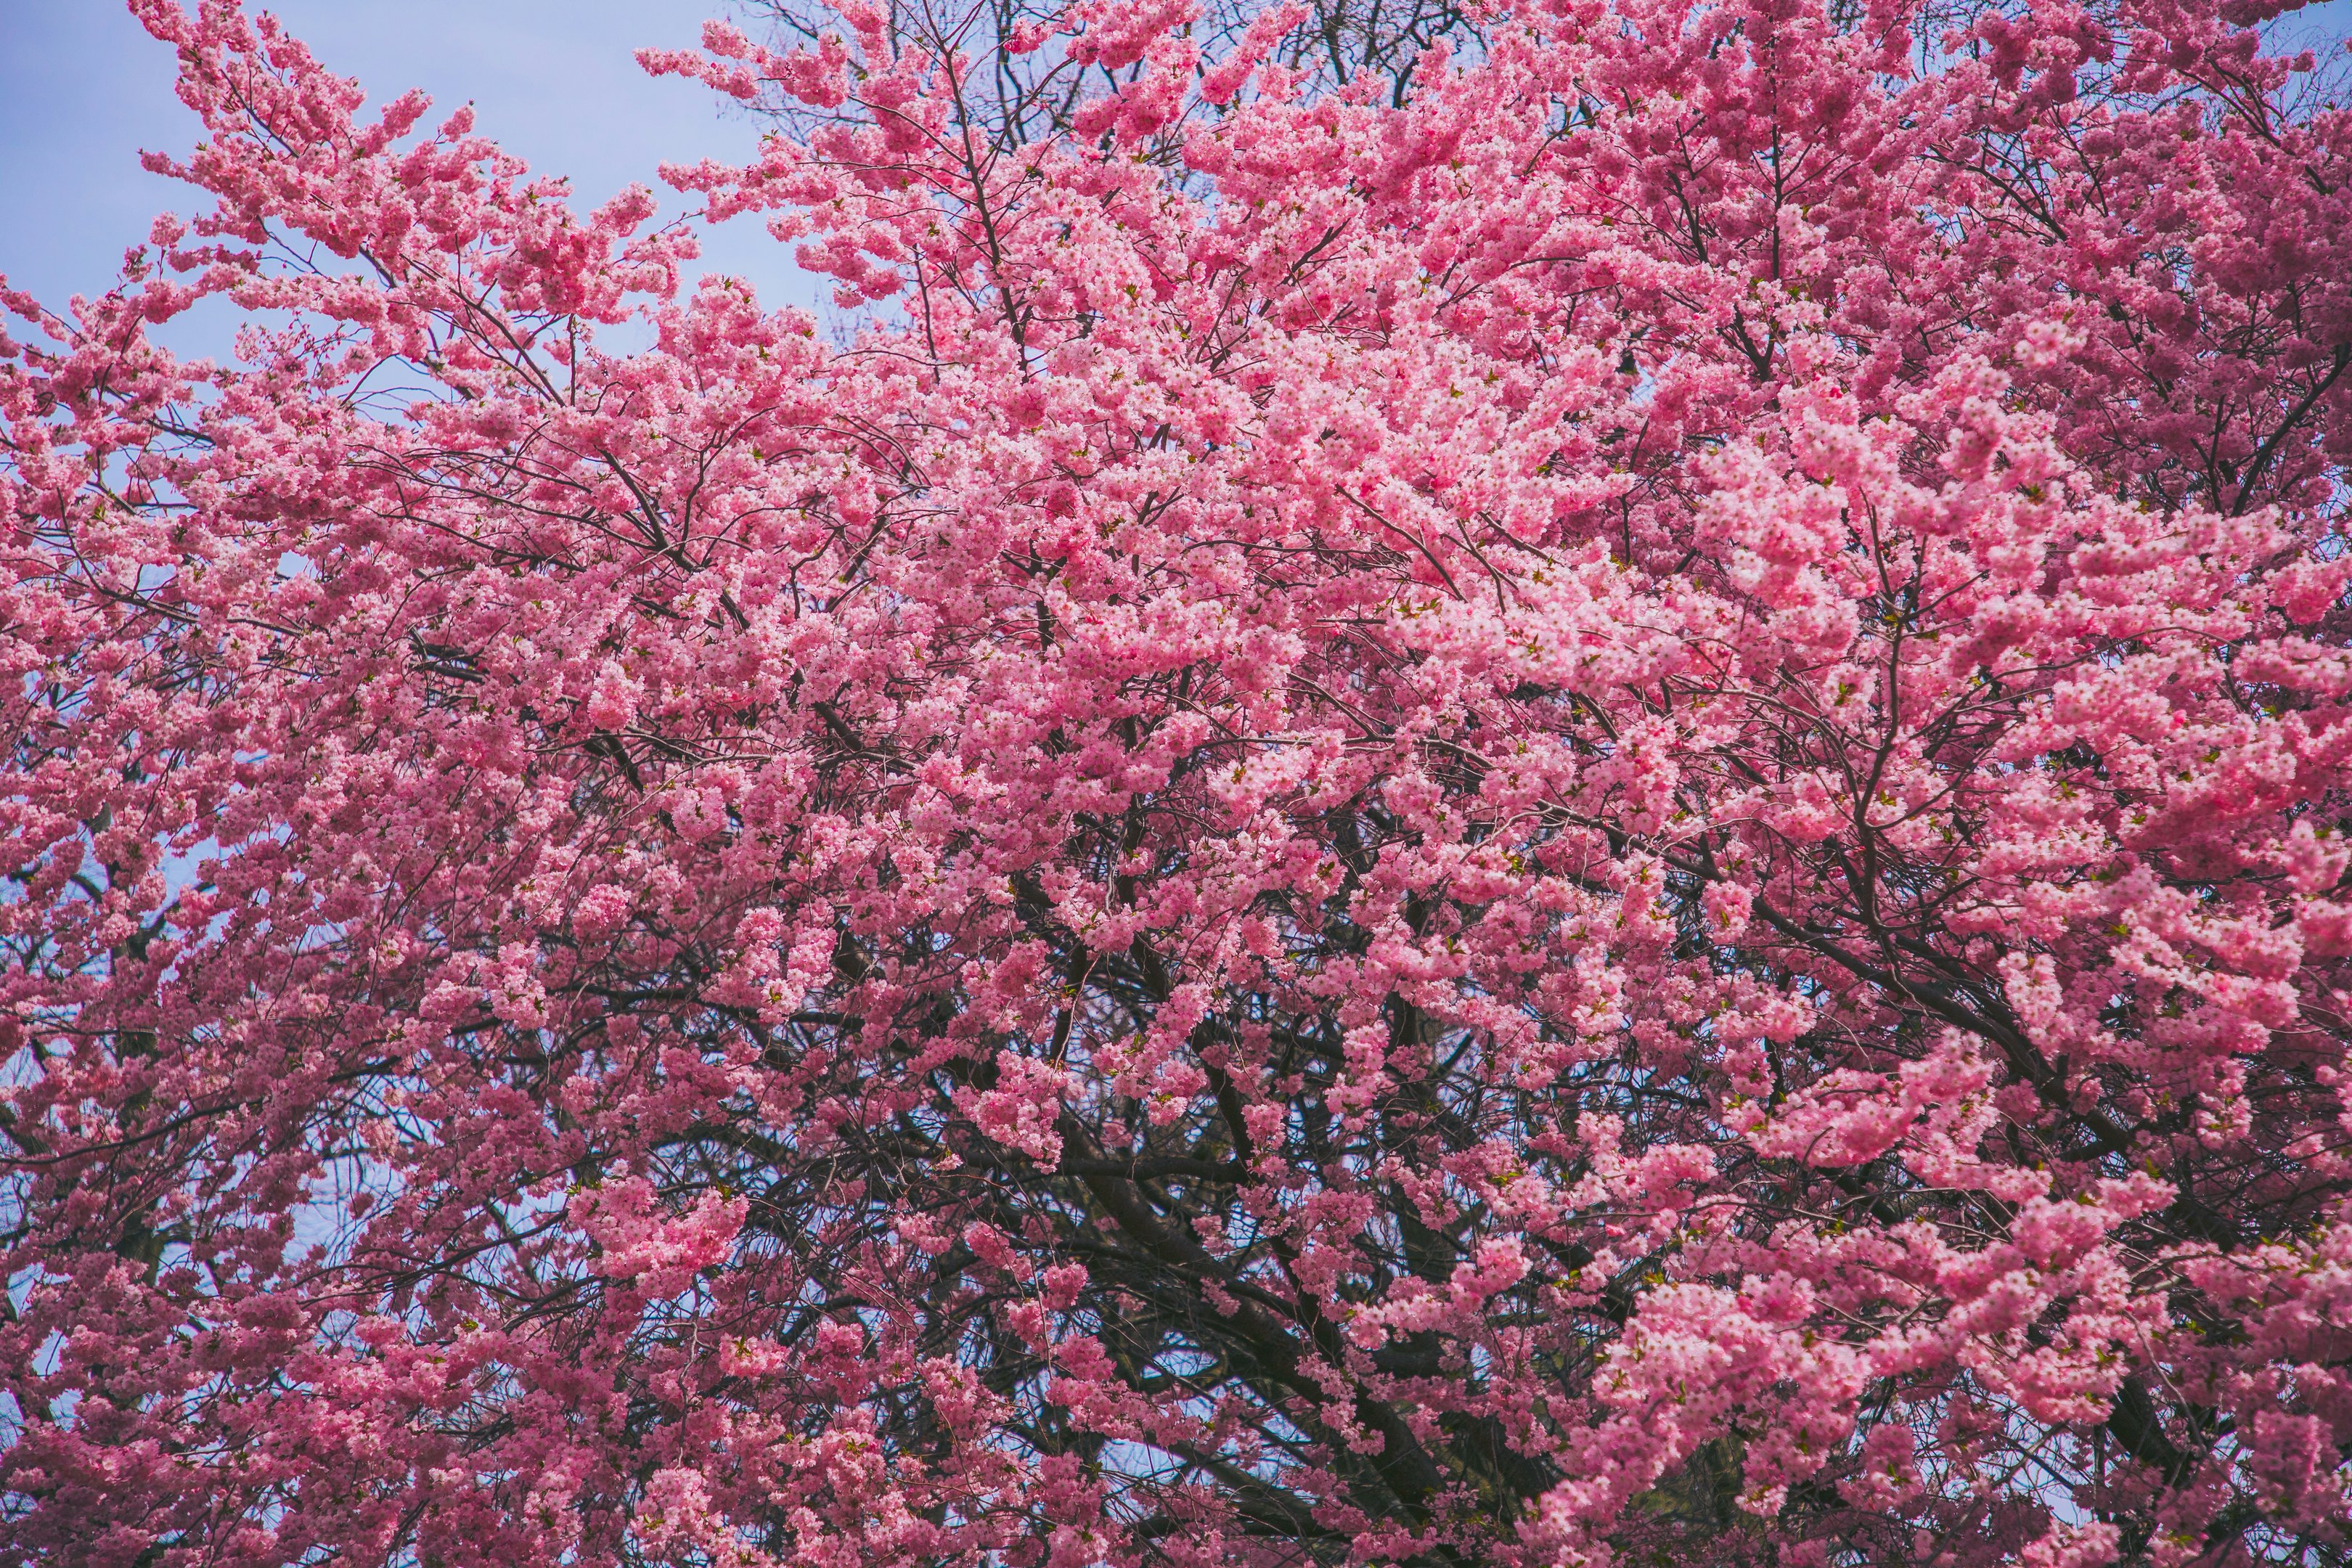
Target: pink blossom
[(1548, 783)]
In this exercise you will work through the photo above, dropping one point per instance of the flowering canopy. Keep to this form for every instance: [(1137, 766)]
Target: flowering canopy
[(1547, 784)]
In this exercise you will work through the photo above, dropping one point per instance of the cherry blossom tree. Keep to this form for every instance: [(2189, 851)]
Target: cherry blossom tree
[(1557, 783)]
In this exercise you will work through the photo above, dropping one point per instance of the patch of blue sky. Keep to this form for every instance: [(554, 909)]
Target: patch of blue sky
[(84, 91)]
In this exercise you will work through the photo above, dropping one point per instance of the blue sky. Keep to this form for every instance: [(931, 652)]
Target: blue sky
[(83, 90)]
